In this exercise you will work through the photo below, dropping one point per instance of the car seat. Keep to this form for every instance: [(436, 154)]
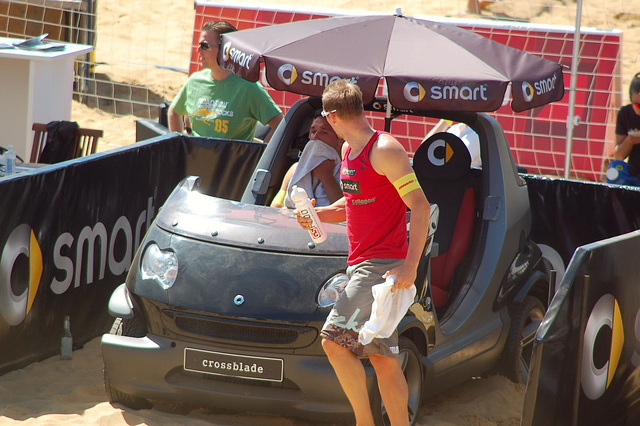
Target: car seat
[(443, 167)]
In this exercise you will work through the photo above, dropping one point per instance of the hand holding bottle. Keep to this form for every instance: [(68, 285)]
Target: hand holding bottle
[(306, 210)]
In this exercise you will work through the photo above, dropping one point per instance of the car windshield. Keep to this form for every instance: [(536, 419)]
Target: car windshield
[(216, 220)]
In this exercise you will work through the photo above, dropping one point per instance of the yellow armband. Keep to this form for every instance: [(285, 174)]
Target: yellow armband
[(278, 200), (406, 184)]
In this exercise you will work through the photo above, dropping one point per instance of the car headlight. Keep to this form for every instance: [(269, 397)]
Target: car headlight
[(332, 289), (160, 265)]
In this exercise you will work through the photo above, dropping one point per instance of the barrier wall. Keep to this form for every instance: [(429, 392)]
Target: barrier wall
[(538, 136), (593, 226), (586, 354), (69, 231)]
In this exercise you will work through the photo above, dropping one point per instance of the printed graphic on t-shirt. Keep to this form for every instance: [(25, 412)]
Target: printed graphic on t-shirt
[(350, 186), (363, 201), (212, 112), (348, 172)]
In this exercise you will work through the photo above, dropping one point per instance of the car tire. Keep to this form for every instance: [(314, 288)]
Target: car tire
[(412, 368), (134, 328), (527, 316)]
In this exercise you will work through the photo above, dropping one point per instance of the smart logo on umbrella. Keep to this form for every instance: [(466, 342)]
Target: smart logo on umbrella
[(538, 88), (20, 273), (603, 341), (287, 73), (225, 51), (439, 160), (414, 92), (236, 55), (527, 91)]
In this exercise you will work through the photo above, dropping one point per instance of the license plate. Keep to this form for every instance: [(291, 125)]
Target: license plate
[(231, 365)]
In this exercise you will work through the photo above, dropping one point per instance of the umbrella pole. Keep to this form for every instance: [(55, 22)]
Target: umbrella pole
[(387, 118), (572, 121)]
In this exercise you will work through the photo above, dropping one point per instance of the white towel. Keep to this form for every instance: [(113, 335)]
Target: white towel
[(470, 139), (387, 310), (314, 153)]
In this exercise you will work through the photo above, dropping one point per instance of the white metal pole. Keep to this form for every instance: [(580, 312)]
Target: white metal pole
[(572, 121)]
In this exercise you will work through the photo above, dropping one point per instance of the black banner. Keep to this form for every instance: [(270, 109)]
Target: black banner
[(587, 351), (586, 354), (69, 231), (568, 214)]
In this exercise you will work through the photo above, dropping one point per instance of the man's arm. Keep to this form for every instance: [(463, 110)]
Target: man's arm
[(333, 213), (624, 146), (273, 123), (418, 229), (388, 157), (324, 172), (175, 121)]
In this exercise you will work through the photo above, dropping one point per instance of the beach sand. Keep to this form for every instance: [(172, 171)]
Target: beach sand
[(159, 32), (71, 392)]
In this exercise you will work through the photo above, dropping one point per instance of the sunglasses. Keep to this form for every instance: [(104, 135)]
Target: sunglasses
[(325, 113), (204, 45)]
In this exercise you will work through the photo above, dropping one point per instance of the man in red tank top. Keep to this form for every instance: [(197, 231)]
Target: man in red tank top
[(378, 185)]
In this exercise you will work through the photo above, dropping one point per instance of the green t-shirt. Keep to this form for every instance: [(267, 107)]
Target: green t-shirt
[(225, 109)]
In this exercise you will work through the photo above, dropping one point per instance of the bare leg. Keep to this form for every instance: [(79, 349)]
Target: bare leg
[(393, 388), (477, 6), (353, 380), (473, 6)]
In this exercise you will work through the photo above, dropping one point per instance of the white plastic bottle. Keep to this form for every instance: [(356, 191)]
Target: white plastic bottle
[(305, 209), (66, 342), (10, 159)]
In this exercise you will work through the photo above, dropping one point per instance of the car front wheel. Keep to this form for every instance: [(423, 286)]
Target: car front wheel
[(134, 328), (411, 363), (519, 347)]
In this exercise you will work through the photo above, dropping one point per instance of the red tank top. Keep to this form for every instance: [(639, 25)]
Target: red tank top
[(376, 215)]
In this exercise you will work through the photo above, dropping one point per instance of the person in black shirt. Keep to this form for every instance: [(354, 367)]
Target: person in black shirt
[(628, 129)]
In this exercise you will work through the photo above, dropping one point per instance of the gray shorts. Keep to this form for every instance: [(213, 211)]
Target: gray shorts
[(353, 309)]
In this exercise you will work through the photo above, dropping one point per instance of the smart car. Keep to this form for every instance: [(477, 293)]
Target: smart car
[(225, 299)]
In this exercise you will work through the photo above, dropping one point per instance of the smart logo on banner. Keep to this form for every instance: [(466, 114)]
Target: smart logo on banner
[(603, 341), (91, 251), (20, 273)]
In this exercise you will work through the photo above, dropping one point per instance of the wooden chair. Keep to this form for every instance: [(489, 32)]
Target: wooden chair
[(85, 141)]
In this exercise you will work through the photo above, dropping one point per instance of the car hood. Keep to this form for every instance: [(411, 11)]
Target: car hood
[(238, 260), (189, 213)]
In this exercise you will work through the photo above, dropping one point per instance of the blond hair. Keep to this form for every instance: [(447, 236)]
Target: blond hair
[(344, 97)]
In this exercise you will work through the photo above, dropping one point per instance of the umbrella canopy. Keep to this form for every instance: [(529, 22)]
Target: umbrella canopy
[(426, 65)]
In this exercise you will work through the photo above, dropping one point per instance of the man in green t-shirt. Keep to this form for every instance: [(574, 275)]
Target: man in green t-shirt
[(217, 103)]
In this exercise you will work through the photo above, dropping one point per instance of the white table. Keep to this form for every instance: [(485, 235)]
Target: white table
[(34, 87)]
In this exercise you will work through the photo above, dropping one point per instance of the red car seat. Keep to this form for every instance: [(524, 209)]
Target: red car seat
[(443, 166)]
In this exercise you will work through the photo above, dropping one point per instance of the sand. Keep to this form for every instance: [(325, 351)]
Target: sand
[(71, 392), (132, 35)]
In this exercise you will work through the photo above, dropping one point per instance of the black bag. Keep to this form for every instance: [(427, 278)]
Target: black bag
[(60, 142)]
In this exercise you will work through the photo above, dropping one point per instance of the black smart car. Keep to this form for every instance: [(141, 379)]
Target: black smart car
[(225, 299)]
